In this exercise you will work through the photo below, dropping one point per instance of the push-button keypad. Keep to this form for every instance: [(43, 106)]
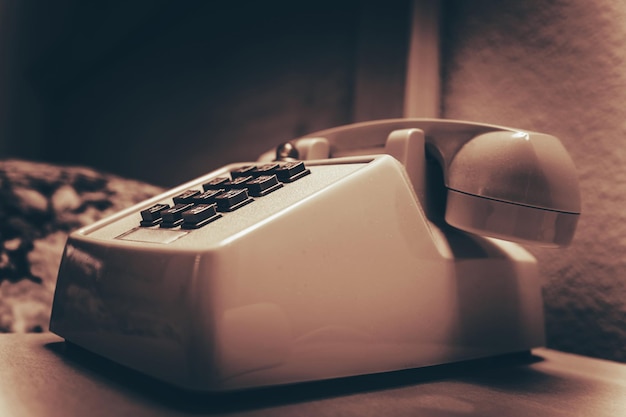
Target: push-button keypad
[(242, 172), (199, 215), (233, 199), (239, 182), (152, 216), (266, 169), (263, 185), (186, 197), (173, 217), (291, 171), (195, 208), (216, 184), (207, 197)]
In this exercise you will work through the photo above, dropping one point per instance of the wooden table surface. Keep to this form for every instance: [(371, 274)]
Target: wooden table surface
[(40, 376)]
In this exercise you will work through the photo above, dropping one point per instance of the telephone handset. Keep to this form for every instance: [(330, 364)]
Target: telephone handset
[(327, 258), (501, 182)]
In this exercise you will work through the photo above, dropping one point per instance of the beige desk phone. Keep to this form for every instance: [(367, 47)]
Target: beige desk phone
[(331, 257)]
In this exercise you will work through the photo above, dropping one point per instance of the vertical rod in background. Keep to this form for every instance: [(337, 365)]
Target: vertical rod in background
[(422, 94)]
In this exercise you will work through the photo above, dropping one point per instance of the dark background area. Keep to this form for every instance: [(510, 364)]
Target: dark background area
[(163, 91)]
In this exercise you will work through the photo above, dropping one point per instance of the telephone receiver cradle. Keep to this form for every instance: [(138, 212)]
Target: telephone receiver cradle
[(335, 260)]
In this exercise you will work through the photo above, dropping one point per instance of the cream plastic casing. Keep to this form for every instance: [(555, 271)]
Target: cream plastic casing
[(337, 274)]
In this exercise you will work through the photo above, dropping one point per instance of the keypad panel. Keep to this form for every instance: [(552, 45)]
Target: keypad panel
[(195, 208)]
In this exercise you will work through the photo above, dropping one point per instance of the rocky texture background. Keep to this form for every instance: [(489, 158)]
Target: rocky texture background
[(39, 205), (558, 67)]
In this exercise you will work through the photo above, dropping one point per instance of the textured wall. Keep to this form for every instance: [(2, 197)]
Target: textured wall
[(558, 67)]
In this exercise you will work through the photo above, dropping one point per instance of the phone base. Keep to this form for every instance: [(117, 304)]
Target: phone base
[(336, 274)]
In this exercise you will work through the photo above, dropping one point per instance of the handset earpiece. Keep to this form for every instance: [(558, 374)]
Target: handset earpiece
[(513, 185), (501, 182)]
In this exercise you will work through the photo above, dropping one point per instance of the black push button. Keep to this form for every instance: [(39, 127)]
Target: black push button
[(173, 217), (152, 216), (232, 200), (263, 185), (199, 215), (207, 197), (216, 183), (291, 171), (186, 197), (240, 182), (242, 172), (266, 169)]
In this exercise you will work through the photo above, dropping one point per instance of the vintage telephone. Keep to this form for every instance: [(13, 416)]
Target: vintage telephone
[(327, 258)]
